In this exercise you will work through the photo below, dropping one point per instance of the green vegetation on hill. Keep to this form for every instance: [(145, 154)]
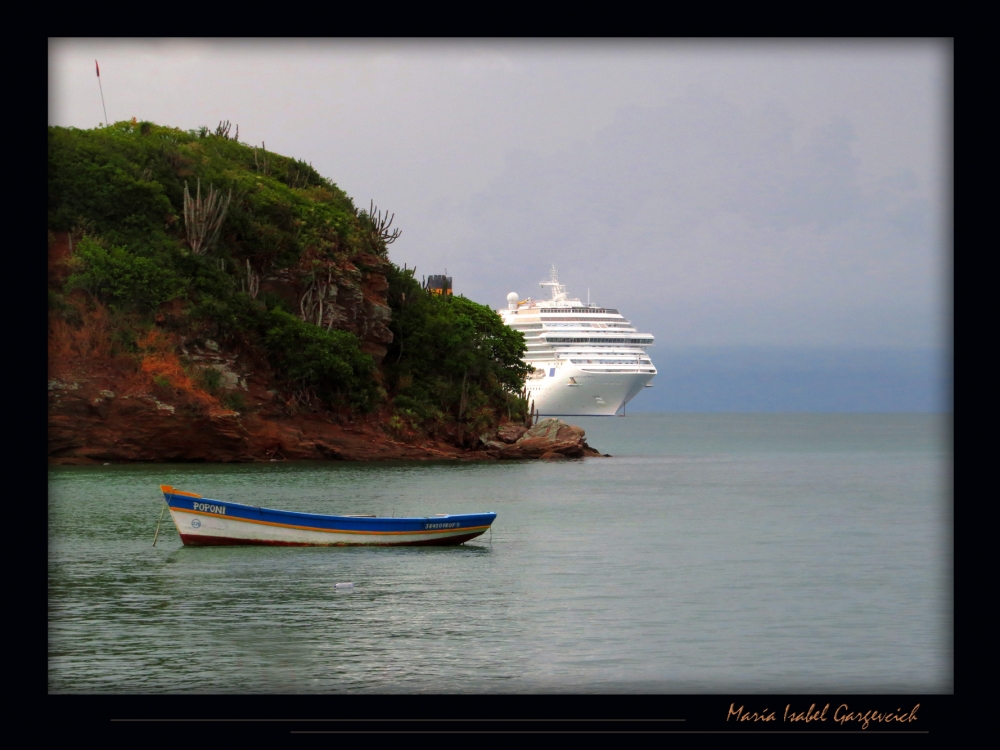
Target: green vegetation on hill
[(175, 230), (451, 356)]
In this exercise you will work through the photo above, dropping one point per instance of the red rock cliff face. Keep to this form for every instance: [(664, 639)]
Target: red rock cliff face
[(91, 423), (102, 410)]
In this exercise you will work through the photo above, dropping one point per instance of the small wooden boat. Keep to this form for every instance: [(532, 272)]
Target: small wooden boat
[(201, 521)]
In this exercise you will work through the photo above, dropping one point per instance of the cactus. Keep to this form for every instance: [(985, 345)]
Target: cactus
[(203, 218)]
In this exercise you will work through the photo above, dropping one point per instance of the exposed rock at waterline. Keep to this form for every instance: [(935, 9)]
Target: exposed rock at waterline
[(550, 438)]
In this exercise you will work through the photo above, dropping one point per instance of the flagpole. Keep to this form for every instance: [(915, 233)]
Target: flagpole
[(98, 67)]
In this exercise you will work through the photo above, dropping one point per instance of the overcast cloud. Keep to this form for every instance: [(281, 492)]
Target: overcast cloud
[(742, 193)]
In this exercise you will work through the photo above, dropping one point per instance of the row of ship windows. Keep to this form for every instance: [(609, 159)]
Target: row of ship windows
[(609, 361), (598, 369), (583, 320), (599, 341), (540, 353), (604, 310), (538, 326)]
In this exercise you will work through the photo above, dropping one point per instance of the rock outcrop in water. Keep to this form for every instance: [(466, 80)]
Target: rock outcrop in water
[(550, 438)]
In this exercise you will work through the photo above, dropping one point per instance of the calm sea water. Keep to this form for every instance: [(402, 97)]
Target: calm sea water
[(712, 553)]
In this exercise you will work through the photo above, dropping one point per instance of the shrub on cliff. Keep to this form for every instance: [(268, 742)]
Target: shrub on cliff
[(119, 192), (116, 198), (120, 278), (126, 183), (329, 364), (450, 356)]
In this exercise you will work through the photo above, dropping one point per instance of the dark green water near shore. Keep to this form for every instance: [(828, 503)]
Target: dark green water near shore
[(712, 553)]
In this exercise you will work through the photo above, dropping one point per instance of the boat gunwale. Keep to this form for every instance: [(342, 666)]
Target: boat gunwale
[(304, 514)]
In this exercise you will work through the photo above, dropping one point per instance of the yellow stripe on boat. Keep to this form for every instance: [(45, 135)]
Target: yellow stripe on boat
[(168, 490)]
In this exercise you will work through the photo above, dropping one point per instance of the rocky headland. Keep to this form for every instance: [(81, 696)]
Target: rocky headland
[(212, 301), (90, 424)]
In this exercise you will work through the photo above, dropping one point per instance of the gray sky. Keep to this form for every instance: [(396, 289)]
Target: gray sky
[(789, 193)]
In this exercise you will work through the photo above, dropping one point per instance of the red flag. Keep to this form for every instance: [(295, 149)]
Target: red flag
[(98, 68)]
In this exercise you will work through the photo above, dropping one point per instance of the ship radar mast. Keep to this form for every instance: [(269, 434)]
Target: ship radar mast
[(558, 290)]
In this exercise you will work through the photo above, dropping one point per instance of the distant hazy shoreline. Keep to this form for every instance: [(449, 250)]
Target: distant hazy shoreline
[(797, 379)]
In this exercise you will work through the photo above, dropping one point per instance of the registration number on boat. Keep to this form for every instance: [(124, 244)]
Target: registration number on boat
[(451, 525)]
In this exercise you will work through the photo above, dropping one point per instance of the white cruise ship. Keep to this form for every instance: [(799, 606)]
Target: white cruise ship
[(587, 360)]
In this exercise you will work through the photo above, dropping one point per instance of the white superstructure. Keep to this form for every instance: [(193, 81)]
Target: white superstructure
[(586, 359)]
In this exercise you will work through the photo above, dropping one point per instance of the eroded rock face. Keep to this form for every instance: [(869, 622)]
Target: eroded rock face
[(90, 421), (510, 432), (355, 300), (85, 425), (208, 356), (550, 438)]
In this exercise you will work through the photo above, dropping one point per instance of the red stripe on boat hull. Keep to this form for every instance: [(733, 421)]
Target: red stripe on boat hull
[(201, 540)]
